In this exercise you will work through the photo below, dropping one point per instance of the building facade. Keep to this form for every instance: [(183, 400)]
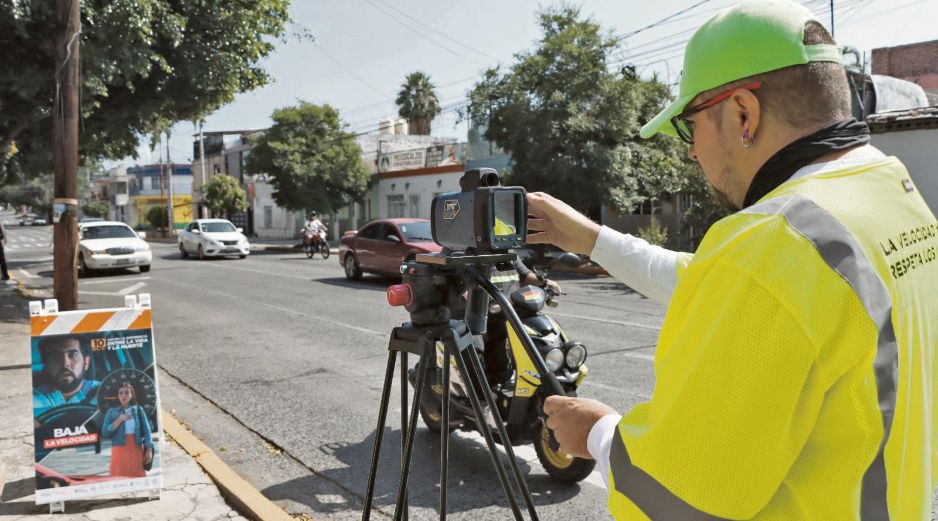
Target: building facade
[(148, 186), (917, 62)]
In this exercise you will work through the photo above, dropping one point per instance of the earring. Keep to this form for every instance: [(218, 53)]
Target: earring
[(747, 143)]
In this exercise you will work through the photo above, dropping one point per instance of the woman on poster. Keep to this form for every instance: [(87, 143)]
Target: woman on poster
[(131, 438)]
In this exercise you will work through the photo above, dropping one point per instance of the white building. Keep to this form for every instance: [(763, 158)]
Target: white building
[(912, 136)]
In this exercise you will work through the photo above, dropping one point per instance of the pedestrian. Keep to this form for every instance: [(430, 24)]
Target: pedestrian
[(796, 369), (4, 274), (131, 437)]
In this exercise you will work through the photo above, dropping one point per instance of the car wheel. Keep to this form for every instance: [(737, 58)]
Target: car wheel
[(242, 256), (352, 271), (83, 270), (182, 251), (145, 268), (201, 253)]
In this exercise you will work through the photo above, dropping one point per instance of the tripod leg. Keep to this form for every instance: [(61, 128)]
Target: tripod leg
[(401, 508), (487, 433), (379, 434), (444, 432), (503, 434), (404, 423)]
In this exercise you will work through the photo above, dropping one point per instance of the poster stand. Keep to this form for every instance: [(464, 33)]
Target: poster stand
[(76, 440)]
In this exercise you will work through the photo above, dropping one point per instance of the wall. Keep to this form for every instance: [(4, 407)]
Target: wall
[(916, 62), (423, 185), (283, 223), (915, 148)]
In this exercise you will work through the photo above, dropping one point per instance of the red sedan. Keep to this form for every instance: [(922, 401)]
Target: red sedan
[(382, 245)]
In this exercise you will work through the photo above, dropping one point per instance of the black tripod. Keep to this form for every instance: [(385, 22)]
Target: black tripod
[(435, 283)]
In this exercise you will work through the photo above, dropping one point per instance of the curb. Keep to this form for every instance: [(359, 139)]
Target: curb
[(243, 496)]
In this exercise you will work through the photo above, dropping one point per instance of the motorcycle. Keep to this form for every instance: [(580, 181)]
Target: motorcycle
[(520, 399), (315, 242)]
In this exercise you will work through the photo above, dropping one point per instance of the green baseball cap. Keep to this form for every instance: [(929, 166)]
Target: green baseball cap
[(750, 38)]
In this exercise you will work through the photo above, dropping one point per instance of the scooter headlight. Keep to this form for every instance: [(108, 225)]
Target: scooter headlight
[(576, 355), (554, 359)]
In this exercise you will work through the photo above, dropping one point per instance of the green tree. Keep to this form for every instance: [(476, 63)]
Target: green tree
[(34, 194), (94, 209), (145, 65), (157, 218), (571, 125), (417, 102), (224, 196), (310, 160)]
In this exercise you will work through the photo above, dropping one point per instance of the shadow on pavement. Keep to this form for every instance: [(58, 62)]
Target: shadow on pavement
[(367, 283), (472, 480)]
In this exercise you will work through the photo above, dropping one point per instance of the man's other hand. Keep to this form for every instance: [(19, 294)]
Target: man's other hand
[(555, 222), (571, 419)]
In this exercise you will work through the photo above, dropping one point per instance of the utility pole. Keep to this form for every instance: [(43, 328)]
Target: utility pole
[(162, 196), (832, 18), (169, 186), (202, 207), (65, 153)]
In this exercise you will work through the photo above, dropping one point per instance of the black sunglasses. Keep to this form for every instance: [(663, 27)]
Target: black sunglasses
[(685, 127)]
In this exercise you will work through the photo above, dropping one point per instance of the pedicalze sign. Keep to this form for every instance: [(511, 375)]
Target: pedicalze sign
[(95, 401)]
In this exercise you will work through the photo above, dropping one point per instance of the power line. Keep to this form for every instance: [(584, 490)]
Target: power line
[(437, 31), (411, 29), (350, 71), (663, 20)]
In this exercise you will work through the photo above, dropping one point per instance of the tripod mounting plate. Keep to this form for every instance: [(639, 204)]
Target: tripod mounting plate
[(438, 259)]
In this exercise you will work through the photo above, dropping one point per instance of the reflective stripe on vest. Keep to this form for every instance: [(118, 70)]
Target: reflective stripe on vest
[(841, 251)]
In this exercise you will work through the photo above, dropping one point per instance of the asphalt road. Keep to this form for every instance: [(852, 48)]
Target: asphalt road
[(292, 351), (277, 362)]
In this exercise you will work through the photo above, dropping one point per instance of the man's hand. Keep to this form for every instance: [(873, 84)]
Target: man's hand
[(571, 419), (555, 222), (554, 286)]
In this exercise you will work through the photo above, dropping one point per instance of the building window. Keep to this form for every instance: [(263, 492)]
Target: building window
[(154, 183), (415, 205), (648, 207), (396, 206), (268, 217)]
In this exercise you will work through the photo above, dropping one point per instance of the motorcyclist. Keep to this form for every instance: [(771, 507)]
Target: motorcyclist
[(312, 228), (495, 351)]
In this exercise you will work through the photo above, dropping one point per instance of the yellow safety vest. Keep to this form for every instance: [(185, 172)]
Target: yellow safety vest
[(797, 367)]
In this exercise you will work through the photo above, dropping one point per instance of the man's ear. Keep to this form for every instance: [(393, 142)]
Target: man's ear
[(747, 113), (87, 362)]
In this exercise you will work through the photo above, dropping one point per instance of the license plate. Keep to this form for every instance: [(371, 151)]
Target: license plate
[(122, 262)]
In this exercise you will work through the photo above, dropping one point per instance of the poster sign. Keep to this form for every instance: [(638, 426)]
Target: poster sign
[(403, 160), (442, 155), (96, 410)]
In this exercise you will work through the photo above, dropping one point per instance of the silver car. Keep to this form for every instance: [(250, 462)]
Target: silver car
[(213, 238)]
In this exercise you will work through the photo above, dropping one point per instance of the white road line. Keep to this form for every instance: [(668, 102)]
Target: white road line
[(616, 390), (608, 321), (113, 281), (130, 289), (382, 334), (27, 274), (640, 356)]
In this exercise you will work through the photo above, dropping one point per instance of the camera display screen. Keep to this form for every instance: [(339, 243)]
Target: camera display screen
[(505, 206)]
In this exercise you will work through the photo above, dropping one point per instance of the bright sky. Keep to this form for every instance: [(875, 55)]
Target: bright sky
[(363, 49)]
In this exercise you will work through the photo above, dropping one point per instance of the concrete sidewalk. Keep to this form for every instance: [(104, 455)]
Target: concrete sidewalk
[(188, 492)]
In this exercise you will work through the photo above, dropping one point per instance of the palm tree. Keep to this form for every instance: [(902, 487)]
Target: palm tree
[(418, 102)]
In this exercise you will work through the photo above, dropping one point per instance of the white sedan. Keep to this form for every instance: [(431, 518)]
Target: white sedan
[(213, 238), (111, 244)]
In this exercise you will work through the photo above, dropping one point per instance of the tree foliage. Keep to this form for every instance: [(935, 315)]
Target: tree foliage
[(145, 65), (417, 102), (94, 209), (34, 194), (157, 217), (311, 161), (571, 125), (224, 196)]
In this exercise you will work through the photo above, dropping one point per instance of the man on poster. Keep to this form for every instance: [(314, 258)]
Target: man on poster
[(64, 363)]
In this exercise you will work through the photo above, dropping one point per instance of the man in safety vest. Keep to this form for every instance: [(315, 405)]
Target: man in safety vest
[(797, 366)]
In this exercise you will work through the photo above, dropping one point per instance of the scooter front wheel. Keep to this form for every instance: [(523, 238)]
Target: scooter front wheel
[(432, 417), (559, 465)]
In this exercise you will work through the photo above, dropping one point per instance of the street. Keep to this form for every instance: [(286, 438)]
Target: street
[(277, 362)]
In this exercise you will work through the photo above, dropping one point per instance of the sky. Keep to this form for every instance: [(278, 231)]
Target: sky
[(362, 49)]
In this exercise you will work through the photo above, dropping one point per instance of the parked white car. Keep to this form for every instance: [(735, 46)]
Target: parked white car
[(111, 244), (213, 238)]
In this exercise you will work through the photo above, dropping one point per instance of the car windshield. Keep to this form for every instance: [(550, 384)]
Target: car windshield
[(217, 227), (417, 231), (107, 232)]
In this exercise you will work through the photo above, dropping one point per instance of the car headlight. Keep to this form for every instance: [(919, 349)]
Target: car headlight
[(554, 359), (576, 355)]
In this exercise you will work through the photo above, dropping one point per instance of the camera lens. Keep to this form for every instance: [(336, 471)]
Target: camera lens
[(489, 179)]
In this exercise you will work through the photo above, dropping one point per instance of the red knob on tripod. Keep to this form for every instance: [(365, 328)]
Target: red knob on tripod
[(400, 295)]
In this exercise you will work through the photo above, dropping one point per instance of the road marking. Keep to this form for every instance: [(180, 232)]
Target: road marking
[(90, 282), (130, 289), (283, 310), (617, 390), (608, 321), (27, 274)]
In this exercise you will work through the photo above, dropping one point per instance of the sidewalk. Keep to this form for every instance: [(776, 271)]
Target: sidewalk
[(188, 492)]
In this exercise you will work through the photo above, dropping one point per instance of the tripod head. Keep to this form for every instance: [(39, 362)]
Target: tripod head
[(432, 292)]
